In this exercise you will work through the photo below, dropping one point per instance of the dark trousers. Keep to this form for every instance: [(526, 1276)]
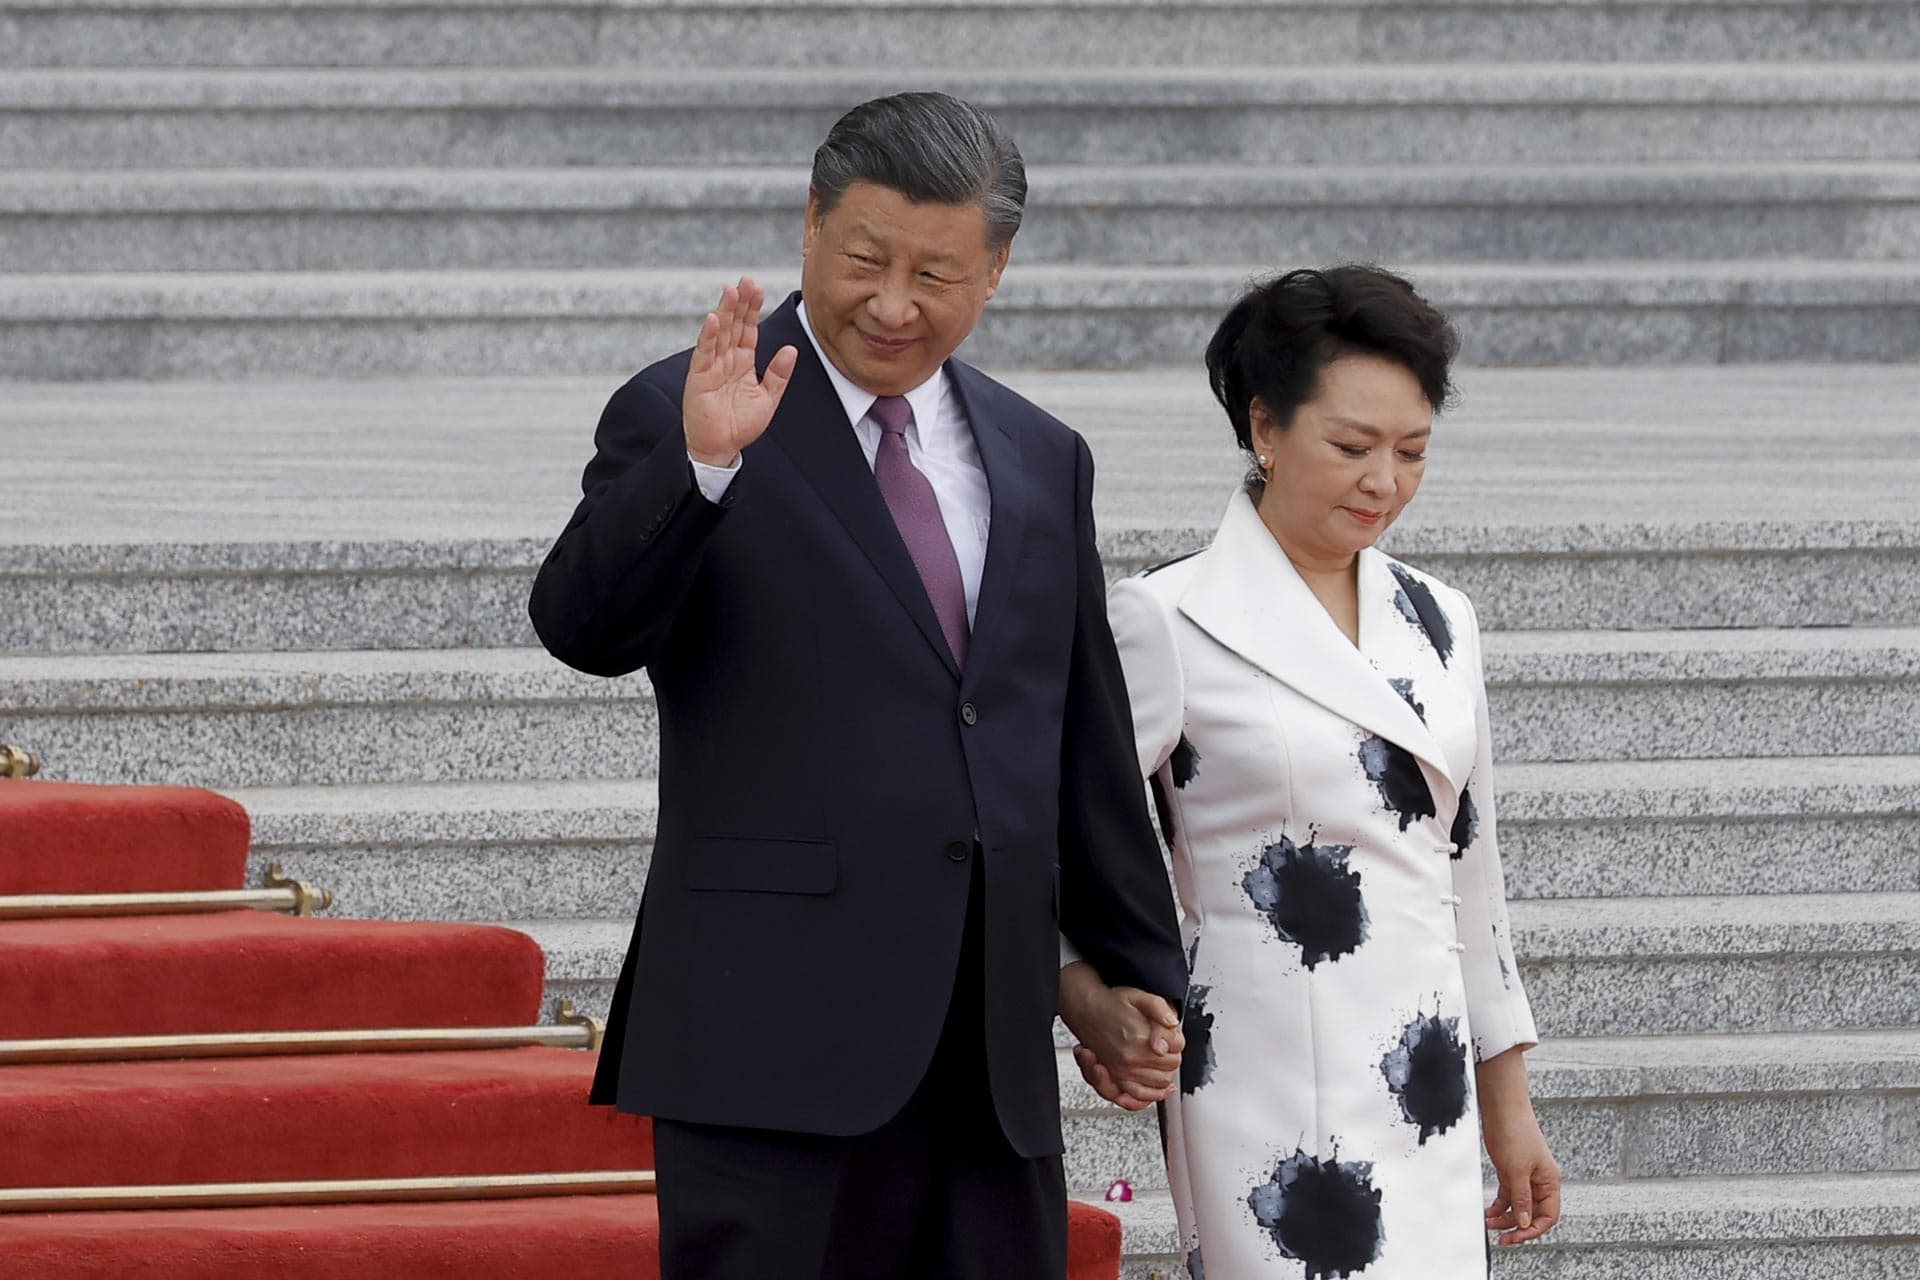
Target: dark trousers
[(936, 1193)]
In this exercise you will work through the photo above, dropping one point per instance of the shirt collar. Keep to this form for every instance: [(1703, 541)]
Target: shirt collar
[(924, 399)]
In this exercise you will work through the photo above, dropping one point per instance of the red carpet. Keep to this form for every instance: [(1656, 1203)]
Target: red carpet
[(401, 1115), (69, 837), (564, 1238), (294, 1118), (255, 971)]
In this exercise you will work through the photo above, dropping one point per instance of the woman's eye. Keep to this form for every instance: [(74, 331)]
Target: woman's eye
[(1351, 450), (1413, 457)]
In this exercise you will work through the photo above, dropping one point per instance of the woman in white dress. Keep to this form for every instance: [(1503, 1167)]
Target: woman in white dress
[(1313, 718)]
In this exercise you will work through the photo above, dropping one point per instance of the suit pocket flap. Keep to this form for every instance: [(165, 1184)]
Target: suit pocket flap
[(757, 864)]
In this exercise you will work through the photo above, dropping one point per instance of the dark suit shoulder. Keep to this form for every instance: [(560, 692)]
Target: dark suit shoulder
[(990, 396)]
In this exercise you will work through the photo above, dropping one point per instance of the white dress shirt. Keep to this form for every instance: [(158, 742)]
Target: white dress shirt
[(939, 444)]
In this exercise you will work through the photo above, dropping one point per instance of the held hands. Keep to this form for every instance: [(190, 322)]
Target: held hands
[(1130, 1040), (727, 405)]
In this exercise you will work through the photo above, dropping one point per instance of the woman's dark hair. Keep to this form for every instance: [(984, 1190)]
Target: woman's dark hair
[(1277, 338)]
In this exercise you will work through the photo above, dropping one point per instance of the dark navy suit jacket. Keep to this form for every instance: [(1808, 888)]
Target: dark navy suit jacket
[(825, 768)]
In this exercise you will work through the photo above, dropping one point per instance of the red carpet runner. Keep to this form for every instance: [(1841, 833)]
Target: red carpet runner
[(320, 1117)]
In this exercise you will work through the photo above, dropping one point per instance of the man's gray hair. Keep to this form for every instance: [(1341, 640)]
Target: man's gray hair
[(932, 148)]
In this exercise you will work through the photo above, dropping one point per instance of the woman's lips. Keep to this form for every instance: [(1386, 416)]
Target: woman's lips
[(1365, 517)]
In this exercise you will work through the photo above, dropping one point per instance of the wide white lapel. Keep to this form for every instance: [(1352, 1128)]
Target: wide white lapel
[(1247, 595), (1404, 629)]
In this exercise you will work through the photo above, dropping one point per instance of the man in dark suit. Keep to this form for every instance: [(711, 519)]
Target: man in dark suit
[(896, 757)]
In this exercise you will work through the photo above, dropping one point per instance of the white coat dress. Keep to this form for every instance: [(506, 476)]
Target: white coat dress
[(1330, 812)]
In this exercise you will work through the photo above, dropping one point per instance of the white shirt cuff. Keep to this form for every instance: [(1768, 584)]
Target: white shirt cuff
[(713, 482), (1069, 954)]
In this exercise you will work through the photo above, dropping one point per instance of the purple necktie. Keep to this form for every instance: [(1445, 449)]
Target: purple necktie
[(917, 513)]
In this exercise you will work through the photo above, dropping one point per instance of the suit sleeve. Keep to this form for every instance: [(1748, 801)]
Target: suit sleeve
[(1496, 1003), (1116, 906), (606, 596)]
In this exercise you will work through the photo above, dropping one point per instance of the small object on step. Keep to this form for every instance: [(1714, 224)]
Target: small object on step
[(1121, 1192), (16, 762)]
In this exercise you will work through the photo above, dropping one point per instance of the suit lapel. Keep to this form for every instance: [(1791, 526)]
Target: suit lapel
[(1248, 596), (811, 428), (1009, 498)]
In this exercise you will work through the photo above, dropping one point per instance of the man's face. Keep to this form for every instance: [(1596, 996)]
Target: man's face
[(892, 287)]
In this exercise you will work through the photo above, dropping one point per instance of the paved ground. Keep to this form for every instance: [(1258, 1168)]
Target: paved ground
[(138, 462)]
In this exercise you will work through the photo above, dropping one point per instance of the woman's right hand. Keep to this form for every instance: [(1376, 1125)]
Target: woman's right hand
[(1130, 1040)]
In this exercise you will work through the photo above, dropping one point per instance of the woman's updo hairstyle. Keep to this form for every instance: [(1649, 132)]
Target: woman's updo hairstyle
[(1277, 338)]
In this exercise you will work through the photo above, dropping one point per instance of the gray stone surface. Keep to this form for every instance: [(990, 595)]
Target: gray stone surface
[(672, 33), (370, 324), (249, 220), (1692, 965), (1792, 825), (1328, 115), (461, 851), (282, 719), (1589, 695)]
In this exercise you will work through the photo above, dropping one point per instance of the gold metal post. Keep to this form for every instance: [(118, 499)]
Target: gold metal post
[(294, 897), (16, 762), (238, 1195), (306, 898), (596, 1029)]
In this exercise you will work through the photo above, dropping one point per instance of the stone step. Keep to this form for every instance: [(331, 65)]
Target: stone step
[(1656, 966), (1253, 113), (317, 718), (1647, 1107), (302, 718), (1661, 695), (461, 850), (672, 34), (471, 593), (1593, 967), (1859, 1226), (371, 219), (1707, 827), (567, 848), (366, 324)]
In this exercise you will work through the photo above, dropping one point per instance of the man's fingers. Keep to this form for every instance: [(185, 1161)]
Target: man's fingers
[(780, 373), (1156, 1009)]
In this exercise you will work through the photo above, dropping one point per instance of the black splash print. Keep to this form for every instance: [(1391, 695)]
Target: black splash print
[(1466, 823), (1196, 1269), (1405, 689), (1427, 1074), (1184, 764), (1311, 897), (1196, 1060), (1403, 788), (1417, 605), (1323, 1213), (1162, 807)]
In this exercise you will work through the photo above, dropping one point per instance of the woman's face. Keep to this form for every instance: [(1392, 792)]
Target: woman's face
[(1350, 463)]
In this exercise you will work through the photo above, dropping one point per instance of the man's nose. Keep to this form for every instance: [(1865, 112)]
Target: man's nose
[(892, 305)]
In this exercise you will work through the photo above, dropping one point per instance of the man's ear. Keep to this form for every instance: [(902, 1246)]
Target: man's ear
[(994, 273), (816, 214)]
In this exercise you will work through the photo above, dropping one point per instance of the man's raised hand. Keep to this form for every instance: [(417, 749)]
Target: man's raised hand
[(727, 405)]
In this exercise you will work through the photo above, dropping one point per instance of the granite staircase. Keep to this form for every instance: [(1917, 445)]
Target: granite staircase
[(226, 564)]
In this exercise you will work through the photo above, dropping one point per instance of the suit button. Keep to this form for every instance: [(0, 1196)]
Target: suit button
[(969, 716), (958, 850)]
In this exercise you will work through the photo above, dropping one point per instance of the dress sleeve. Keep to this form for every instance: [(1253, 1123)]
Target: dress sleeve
[(1156, 686), (1496, 1002)]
